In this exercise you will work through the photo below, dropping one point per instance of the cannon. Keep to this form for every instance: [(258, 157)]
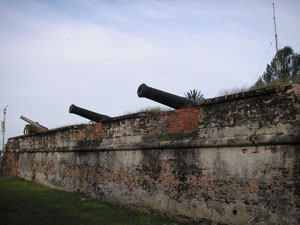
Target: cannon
[(96, 117), (164, 98), (32, 127)]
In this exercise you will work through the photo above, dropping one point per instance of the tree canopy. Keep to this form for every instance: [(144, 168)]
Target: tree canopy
[(289, 66), (194, 95)]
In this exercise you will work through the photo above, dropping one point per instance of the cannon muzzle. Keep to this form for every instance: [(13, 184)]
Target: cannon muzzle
[(96, 117), (164, 98)]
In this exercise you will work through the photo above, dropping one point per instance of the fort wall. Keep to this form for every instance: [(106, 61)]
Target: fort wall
[(232, 160)]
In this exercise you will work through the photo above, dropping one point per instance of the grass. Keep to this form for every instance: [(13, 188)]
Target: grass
[(244, 88), (233, 90), (276, 83), (155, 109), (27, 203), (149, 109)]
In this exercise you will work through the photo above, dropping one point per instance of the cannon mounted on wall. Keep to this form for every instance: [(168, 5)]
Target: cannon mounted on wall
[(32, 127), (96, 117), (165, 98)]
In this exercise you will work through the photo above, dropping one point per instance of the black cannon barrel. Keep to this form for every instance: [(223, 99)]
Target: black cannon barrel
[(96, 117), (164, 98)]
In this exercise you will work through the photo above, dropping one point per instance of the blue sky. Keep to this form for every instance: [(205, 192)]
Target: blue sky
[(95, 54)]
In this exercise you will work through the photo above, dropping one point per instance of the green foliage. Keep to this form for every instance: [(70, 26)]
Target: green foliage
[(289, 66), (289, 71), (154, 109), (149, 109), (194, 95), (234, 90), (25, 202), (274, 83)]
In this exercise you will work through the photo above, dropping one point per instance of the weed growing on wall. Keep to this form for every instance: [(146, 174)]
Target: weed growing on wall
[(149, 109)]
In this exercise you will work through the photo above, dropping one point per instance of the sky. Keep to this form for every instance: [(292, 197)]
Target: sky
[(95, 53)]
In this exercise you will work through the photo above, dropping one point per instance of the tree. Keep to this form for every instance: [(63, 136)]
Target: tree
[(194, 95), (289, 66)]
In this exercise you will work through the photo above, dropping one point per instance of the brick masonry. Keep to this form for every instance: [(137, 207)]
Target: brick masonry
[(233, 160), (184, 120)]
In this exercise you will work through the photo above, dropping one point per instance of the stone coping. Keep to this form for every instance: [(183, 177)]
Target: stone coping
[(246, 94)]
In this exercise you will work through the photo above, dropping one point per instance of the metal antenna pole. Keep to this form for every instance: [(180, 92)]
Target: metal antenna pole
[(278, 65), (3, 127)]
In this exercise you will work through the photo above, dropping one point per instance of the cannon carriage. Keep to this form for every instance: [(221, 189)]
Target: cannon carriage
[(32, 127)]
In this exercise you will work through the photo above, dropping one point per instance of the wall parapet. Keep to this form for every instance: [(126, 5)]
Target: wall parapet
[(250, 94), (265, 117)]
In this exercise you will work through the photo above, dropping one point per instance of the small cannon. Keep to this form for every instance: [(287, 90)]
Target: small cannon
[(164, 98), (96, 117), (32, 127)]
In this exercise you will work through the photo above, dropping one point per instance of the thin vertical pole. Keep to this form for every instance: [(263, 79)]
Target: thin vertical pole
[(278, 64), (3, 127)]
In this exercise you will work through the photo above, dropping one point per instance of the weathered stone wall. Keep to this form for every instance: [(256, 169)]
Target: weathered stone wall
[(240, 164)]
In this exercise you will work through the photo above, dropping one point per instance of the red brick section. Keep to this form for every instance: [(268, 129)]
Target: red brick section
[(97, 130), (184, 120)]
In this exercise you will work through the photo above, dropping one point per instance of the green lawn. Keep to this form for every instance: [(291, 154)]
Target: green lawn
[(28, 203)]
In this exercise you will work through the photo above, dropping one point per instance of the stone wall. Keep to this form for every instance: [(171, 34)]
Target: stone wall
[(233, 160)]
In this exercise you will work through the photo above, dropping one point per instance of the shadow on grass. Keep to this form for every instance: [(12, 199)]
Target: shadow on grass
[(25, 202)]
